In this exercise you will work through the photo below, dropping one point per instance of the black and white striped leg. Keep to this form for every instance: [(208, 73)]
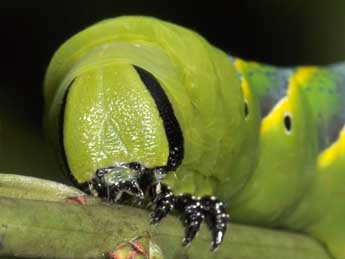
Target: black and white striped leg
[(193, 214), (193, 210), (217, 217), (164, 203)]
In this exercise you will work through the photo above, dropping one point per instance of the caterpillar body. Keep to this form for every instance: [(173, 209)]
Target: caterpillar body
[(135, 103)]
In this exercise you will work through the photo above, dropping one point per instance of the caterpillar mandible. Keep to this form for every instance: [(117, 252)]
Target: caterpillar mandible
[(141, 108)]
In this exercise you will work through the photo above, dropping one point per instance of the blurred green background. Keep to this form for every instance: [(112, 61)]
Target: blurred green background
[(282, 32)]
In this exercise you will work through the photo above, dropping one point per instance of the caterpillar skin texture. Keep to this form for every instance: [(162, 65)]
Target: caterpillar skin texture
[(135, 103)]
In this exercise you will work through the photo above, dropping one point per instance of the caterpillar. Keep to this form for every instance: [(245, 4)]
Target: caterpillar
[(142, 109)]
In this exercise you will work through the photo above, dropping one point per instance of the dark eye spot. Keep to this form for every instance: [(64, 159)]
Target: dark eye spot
[(288, 122), (246, 109)]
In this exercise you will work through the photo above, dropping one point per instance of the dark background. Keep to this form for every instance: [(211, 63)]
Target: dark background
[(274, 31), (281, 32)]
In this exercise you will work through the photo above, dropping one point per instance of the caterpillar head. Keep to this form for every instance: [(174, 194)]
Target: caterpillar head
[(110, 118), (100, 107)]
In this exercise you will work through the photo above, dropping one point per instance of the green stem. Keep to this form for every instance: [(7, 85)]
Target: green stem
[(50, 229)]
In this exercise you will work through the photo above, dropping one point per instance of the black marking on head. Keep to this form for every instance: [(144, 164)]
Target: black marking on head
[(288, 122), (166, 112)]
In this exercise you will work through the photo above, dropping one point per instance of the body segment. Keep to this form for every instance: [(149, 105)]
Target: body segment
[(197, 84), (135, 103), (298, 184)]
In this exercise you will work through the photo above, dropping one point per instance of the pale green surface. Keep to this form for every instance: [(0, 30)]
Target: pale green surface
[(321, 212), (322, 90), (232, 183), (106, 122), (26, 187), (285, 159), (320, 87)]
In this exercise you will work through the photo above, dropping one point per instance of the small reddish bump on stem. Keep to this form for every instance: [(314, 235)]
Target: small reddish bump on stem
[(129, 250), (77, 200)]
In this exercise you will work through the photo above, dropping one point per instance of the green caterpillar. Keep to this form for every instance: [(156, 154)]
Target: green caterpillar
[(144, 107)]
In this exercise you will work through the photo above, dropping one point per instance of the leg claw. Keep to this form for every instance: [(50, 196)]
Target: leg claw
[(218, 219), (194, 211), (112, 182), (164, 204), (194, 215)]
